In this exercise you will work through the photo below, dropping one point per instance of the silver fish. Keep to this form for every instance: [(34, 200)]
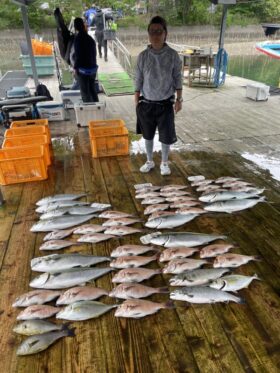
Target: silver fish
[(233, 206), (33, 327), (182, 199), (211, 251), (54, 213), (59, 205), (62, 280), (203, 294), (152, 200), (57, 245), (147, 195), (132, 261), (171, 187), (126, 250), (176, 253), (201, 182), (174, 193), (233, 260), (121, 230), (137, 308), (135, 275), (38, 343), (84, 310), (159, 214), (197, 277), (225, 196), (58, 235), (89, 229), (170, 221), (186, 239), (82, 210), (196, 178), (62, 222), (233, 282), (190, 210), (176, 266), (182, 204), (135, 291), (157, 207), (138, 187), (226, 179), (100, 206), (79, 293), (120, 221), (37, 312), (95, 237), (235, 184), (64, 262), (36, 297), (59, 197), (109, 214)]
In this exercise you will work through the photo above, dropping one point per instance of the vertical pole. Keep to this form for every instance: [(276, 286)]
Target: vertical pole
[(1, 198), (223, 26), (29, 44)]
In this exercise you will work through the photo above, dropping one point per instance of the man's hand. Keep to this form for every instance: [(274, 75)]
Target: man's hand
[(178, 106)]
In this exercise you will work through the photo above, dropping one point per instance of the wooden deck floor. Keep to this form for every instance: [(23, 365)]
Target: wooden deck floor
[(199, 338)]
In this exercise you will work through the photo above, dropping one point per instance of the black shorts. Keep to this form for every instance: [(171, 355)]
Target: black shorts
[(151, 116)]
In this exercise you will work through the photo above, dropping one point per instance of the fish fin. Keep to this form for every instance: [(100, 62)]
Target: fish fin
[(224, 284), (257, 258), (163, 290), (169, 305)]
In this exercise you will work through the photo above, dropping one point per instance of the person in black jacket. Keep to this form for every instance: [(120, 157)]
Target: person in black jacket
[(99, 22), (85, 62)]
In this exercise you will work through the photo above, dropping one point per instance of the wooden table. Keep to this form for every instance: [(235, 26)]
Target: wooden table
[(198, 68)]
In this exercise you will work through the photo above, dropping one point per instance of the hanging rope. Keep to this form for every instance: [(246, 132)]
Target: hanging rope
[(220, 67)]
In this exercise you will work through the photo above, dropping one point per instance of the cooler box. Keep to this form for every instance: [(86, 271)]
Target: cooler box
[(51, 110), (257, 92), (44, 65), (17, 112), (86, 112), (70, 98)]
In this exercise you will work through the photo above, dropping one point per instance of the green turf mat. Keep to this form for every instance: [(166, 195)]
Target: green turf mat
[(116, 83)]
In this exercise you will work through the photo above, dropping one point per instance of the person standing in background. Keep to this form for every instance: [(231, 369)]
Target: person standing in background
[(99, 22), (158, 77), (85, 62), (89, 14)]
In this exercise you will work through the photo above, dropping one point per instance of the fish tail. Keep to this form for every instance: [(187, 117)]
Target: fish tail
[(163, 290), (257, 258), (71, 332), (240, 300), (158, 271), (65, 326), (169, 305), (256, 277)]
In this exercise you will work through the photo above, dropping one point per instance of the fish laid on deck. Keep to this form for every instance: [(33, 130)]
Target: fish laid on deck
[(89, 229), (152, 200), (132, 250), (135, 275), (176, 266), (211, 251), (59, 197), (233, 260), (110, 214), (154, 208), (233, 282), (38, 343), (121, 230), (137, 308), (186, 239), (57, 245), (79, 293), (226, 196), (235, 205), (177, 253), (84, 310), (37, 312), (170, 221), (62, 280), (36, 297), (203, 294), (198, 277), (62, 222), (64, 262), (95, 237), (59, 205), (132, 261), (135, 291), (196, 178), (172, 187), (120, 221), (58, 235), (33, 327)]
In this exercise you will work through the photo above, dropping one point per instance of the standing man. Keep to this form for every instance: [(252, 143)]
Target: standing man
[(85, 61), (99, 22), (158, 77)]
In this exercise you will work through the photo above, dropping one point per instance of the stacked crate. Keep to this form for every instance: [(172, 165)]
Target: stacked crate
[(26, 152), (108, 138)]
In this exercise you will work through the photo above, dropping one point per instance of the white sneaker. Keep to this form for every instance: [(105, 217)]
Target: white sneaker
[(147, 167), (164, 169)]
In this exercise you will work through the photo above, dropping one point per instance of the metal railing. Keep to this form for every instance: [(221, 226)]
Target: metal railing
[(122, 54)]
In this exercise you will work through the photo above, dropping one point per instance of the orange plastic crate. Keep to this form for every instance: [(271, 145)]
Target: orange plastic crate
[(20, 165), (20, 141), (30, 122), (110, 127), (29, 131), (108, 146)]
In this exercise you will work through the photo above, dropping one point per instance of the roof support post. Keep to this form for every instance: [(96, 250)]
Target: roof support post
[(223, 26)]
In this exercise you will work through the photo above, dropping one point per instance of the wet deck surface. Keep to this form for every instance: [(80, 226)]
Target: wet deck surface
[(215, 129), (206, 338)]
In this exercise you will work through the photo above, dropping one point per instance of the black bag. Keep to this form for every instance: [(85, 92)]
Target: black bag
[(42, 90), (64, 36)]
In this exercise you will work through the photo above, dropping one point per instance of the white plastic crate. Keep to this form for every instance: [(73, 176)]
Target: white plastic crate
[(85, 112), (51, 110), (70, 98), (257, 92)]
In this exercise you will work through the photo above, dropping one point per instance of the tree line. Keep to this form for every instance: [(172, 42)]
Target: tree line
[(177, 12)]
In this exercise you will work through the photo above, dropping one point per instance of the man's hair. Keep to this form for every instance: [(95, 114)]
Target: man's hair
[(158, 20), (79, 24)]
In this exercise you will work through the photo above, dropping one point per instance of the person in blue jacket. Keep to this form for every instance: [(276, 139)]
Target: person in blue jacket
[(90, 14), (85, 61)]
